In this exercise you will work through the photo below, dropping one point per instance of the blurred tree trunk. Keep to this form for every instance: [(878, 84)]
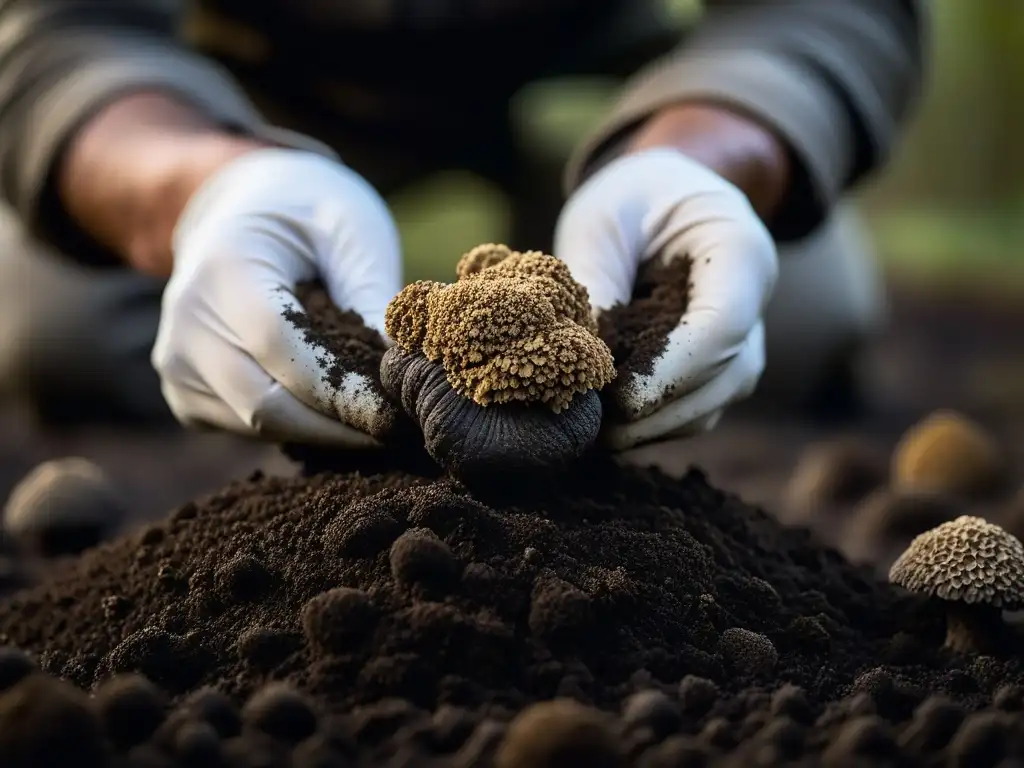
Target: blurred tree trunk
[(967, 145)]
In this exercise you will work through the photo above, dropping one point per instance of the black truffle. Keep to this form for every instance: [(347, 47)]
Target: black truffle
[(473, 440)]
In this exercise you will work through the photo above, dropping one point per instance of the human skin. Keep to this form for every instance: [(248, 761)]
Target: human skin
[(129, 172), (736, 147)]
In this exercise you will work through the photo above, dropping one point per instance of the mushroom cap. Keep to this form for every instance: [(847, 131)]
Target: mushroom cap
[(947, 453), (966, 560)]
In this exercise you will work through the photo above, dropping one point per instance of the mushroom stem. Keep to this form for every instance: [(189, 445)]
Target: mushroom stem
[(974, 628)]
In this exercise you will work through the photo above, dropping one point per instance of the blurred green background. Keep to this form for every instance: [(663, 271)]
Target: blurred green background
[(950, 206)]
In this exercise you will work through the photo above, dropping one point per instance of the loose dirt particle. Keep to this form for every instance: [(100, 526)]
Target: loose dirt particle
[(280, 712), (336, 619), (419, 557), (44, 722)]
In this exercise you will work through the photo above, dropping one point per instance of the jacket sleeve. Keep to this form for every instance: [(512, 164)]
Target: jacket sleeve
[(835, 79), (62, 60)]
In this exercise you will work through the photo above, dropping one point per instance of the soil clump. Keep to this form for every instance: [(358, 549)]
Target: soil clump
[(394, 614), (636, 332), (380, 616)]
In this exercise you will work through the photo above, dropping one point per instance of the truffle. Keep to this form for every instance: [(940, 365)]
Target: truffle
[(948, 453), (749, 653), (560, 733), (501, 368), (976, 567), (63, 507), (131, 709)]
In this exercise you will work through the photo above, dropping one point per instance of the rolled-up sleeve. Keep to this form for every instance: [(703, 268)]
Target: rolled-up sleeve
[(835, 79), (63, 60)]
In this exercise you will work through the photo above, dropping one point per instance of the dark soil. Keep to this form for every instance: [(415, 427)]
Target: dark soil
[(356, 347), (635, 332), (391, 618), (360, 590)]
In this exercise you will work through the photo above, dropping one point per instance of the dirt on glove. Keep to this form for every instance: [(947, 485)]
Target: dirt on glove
[(636, 332), (387, 617)]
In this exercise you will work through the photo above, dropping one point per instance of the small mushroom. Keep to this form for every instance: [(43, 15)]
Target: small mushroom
[(502, 368), (948, 453), (976, 568)]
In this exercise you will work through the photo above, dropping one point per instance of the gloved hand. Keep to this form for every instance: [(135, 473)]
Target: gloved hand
[(226, 355), (659, 204)]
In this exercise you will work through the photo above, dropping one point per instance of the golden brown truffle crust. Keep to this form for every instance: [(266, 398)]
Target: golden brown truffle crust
[(480, 258), (515, 327), (405, 318)]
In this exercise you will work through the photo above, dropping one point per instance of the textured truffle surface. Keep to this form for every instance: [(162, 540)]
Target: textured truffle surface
[(515, 327), (967, 560), (473, 440)]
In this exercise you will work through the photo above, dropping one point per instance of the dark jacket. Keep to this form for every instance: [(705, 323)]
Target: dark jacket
[(835, 78)]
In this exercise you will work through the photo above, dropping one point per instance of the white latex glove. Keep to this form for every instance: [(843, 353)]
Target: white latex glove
[(226, 356), (659, 204)]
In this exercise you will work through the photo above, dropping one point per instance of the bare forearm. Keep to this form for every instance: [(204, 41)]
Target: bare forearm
[(735, 146), (128, 173)]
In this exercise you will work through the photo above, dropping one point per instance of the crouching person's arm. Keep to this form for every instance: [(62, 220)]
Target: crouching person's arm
[(117, 143), (744, 137)]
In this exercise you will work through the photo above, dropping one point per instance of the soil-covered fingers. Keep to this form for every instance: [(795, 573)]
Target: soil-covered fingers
[(225, 333), (239, 396), (313, 374), (732, 273), (700, 409)]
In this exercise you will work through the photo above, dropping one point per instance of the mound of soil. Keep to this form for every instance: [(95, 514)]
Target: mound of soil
[(369, 617), (421, 618)]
